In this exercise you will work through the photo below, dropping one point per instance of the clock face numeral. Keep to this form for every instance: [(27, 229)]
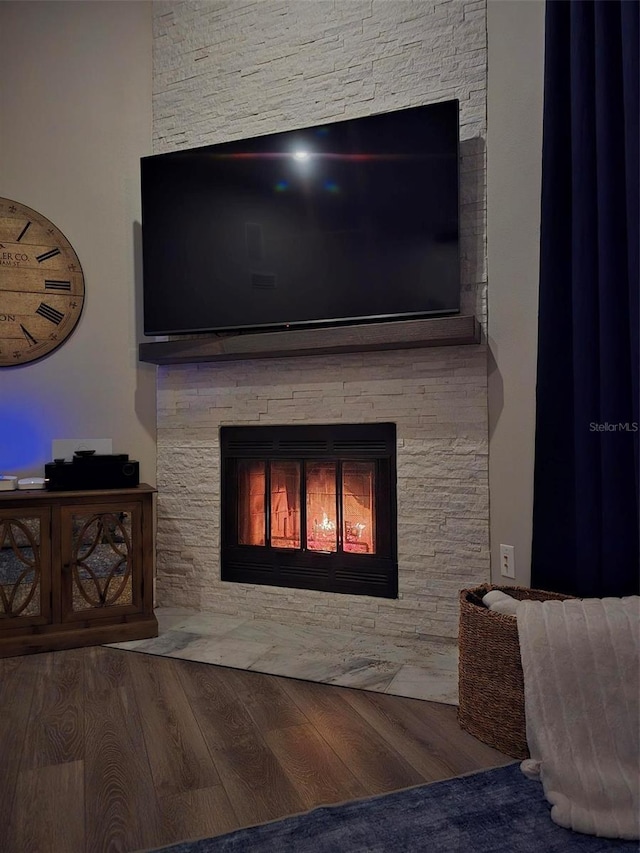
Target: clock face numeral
[(23, 232), (30, 339), (46, 255), (49, 313), (57, 285)]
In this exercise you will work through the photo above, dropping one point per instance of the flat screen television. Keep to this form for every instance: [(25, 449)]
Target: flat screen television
[(351, 221)]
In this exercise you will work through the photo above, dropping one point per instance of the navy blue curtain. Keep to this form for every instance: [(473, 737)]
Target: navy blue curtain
[(586, 510)]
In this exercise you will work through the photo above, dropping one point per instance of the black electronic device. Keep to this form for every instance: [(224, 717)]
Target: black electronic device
[(108, 471), (355, 220)]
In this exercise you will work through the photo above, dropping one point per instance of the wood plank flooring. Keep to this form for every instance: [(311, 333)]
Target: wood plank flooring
[(108, 750)]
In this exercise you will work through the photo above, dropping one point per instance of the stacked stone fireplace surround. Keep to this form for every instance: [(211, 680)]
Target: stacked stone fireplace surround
[(229, 70)]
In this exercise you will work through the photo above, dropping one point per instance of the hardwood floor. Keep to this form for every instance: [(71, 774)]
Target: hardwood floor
[(109, 750)]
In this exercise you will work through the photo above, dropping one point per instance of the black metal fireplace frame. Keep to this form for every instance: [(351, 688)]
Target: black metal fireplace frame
[(341, 571)]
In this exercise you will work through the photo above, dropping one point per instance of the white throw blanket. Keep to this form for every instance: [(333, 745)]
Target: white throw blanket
[(501, 602), (581, 660)]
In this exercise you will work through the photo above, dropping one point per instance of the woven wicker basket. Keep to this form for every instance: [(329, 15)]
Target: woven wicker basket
[(490, 680)]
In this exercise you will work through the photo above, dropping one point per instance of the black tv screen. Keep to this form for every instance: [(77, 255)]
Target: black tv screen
[(355, 220)]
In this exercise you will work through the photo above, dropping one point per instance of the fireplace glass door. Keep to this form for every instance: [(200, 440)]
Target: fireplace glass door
[(310, 507), (284, 501), (358, 510), (339, 500)]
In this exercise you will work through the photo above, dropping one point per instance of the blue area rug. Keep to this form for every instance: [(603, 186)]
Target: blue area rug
[(496, 811)]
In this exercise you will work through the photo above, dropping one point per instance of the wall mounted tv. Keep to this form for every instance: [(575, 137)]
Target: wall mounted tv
[(345, 222)]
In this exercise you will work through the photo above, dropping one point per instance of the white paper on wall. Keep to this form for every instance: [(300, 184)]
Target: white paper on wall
[(64, 448)]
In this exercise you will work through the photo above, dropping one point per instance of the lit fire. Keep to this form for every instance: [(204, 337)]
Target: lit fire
[(320, 495), (326, 525)]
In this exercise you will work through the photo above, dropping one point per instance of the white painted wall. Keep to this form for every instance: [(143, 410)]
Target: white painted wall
[(75, 117), (514, 162)]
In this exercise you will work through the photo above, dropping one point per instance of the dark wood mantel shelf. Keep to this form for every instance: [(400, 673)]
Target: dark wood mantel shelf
[(365, 337)]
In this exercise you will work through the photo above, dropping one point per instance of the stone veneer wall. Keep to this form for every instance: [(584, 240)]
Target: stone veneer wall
[(437, 398), (228, 70)]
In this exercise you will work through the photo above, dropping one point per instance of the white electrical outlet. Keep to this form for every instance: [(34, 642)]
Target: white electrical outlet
[(507, 561)]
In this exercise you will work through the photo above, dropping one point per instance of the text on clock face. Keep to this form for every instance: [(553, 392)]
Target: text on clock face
[(12, 259)]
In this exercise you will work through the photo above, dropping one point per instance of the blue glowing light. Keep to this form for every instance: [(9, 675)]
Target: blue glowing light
[(331, 187), (22, 440), (281, 186)]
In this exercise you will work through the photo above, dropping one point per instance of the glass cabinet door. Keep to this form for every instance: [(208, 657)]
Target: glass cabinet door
[(98, 560), (25, 559)]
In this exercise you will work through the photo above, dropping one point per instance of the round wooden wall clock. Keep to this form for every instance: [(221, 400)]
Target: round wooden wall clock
[(41, 285)]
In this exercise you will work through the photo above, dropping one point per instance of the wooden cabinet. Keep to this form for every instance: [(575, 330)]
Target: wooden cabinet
[(76, 568)]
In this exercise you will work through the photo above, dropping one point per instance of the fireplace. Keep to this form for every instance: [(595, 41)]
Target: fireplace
[(310, 507)]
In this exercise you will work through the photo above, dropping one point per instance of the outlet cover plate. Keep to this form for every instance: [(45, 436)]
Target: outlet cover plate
[(507, 561)]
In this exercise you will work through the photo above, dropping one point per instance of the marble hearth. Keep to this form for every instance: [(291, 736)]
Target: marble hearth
[(420, 669)]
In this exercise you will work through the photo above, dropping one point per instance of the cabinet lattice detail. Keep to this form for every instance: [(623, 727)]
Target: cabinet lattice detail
[(19, 567), (102, 562)]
